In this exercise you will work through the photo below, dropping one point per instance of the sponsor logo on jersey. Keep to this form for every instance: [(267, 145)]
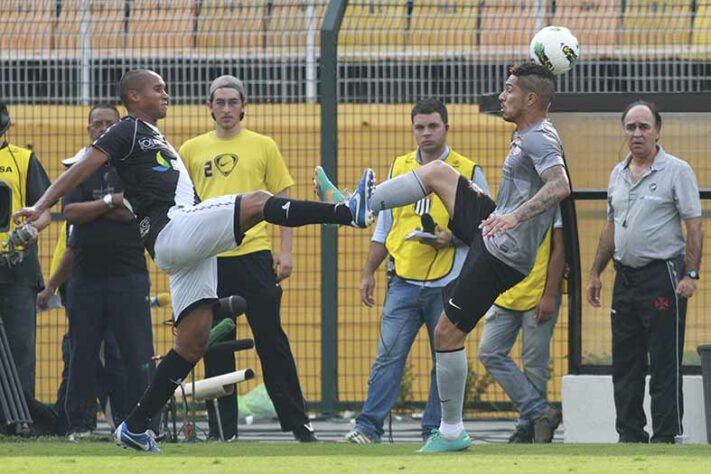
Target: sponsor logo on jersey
[(163, 164)]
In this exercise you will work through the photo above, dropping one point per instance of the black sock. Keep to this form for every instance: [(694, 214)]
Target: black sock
[(169, 373), (295, 213)]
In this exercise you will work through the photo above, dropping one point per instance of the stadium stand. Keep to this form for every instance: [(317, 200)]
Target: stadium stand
[(373, 28), (26, 25), (653, 28), (596, 23), (507, 27), (444, 27), (231, 26), (161, 25), (105, 20), (701, 31)]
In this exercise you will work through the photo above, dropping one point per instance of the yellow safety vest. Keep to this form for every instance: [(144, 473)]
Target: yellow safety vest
[(14, 165), (528, 292), (413, 260), (59, 248)]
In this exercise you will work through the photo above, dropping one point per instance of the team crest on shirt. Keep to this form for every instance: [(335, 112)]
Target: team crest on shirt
[(515, 148), (226, 163)]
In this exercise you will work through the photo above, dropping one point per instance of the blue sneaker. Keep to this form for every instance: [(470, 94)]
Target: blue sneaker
[(359, 201), (437, 443), (139, 442)]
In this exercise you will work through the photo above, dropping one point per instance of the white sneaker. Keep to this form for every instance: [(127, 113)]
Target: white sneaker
[(356, 437)]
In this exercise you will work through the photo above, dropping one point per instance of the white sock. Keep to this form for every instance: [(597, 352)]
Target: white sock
[(451, 431)]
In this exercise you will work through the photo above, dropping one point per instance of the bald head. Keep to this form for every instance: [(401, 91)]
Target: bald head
[(134, 80), (538, 79)]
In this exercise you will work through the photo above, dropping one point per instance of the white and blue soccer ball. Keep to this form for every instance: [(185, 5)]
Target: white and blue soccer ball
[(556, 48)]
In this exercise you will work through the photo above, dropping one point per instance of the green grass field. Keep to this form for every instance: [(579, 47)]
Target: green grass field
[(335, 458)]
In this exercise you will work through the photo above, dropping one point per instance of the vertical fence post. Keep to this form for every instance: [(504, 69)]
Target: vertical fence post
[(329, 239)]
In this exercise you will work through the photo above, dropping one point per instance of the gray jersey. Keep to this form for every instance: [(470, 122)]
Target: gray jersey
[(648, 214), (532, 152)]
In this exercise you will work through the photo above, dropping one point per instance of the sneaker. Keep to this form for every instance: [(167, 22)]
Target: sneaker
[(545, 424), (357, 437), (305, 434), (325, 189), (522, 435), (359, 201), (138, 441), (437, 443)]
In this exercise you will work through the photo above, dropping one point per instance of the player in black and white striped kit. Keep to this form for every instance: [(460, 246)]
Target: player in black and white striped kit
[(181, 235)]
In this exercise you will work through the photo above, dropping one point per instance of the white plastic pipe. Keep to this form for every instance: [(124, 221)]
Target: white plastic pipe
[(214, 387)]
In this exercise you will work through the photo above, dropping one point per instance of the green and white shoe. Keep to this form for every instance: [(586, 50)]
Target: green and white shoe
[(437, 443), (326, 190)]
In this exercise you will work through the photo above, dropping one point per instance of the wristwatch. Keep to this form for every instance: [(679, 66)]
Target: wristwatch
[(693, 274), (109, 200)]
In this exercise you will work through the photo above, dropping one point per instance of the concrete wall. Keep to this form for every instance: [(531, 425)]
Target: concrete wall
[(589, 409)]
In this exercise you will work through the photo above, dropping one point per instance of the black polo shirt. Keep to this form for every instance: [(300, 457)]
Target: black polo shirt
[(104, 247)]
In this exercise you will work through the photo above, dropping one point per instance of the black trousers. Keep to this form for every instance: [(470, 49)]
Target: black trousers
[(94, 304), (648, 322), (251, 276)]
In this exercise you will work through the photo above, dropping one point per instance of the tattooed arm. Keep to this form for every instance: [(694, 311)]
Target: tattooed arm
[(603, 255), (556, 187)]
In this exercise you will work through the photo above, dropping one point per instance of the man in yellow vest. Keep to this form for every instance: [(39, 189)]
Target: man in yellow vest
[(233, 159), (22, 182), (422, 266), (530, 307)]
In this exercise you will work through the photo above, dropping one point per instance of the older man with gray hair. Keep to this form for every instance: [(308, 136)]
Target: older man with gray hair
[(650, 193)]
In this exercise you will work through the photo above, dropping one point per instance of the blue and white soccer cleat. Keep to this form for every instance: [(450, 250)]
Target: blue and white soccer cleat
[(138, 441), (359, 201)]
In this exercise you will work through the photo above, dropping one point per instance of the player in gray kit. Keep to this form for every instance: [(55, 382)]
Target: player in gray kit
[(503, 238)]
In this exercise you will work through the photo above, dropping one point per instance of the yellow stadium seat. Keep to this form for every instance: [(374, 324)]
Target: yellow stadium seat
[(105, 20), (161, 26), (596, 24), (701, 32), (373, 27), (656, 28), (231, 26), (287, 25), (444, 26), (26, 27), (507, 27)]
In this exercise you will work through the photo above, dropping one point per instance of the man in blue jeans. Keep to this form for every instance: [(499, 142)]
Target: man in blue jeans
[(422, 266), (530, 307)]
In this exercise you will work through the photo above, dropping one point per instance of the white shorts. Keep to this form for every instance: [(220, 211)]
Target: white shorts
[(187, 246)]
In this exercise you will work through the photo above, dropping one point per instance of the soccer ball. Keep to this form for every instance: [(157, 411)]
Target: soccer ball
[(556, 48)]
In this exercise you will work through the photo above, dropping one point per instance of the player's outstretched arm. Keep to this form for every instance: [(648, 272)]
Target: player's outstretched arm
[(75, 175)]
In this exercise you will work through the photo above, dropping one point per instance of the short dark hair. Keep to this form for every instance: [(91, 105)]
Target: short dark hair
[(103, 105), (652, 108), (535, 78), (430, 106), (130, 81)]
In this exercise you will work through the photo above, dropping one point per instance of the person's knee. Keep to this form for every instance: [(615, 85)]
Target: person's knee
[(447, 336), (251, 210), (436, 173)]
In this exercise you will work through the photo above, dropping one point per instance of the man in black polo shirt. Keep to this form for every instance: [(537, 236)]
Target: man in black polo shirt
[(109, 288)]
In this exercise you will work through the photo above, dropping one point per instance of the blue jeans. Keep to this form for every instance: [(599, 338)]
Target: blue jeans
[(526, 389), (406, 308)]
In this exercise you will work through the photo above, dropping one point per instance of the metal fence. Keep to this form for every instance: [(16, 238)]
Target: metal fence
[(59, 56)]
